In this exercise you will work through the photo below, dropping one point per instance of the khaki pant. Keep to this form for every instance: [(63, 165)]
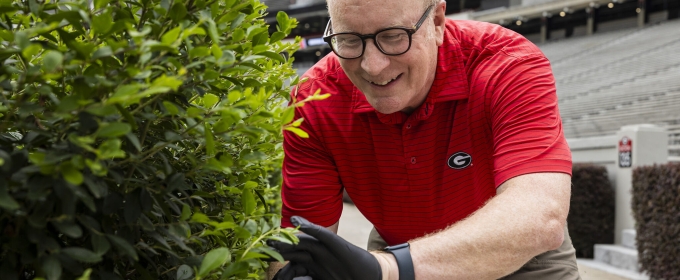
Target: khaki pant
[(559, 264)]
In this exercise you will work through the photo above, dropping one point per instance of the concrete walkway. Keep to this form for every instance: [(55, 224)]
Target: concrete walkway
[(355, 229)]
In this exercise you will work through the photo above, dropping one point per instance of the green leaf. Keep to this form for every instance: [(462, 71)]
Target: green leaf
[(299, 132), (52, 267), (210, 99), (234, 96), (184, 272), (102, 52), (251, 226), (82, 254), (110, 149), (170, 107), (195, 30), (193, 112), (31, 50), (99, 244), (71, 174), (186, 212), (171, 36), (21, 39), (216, 51), (280, 239), (98, 109), (274, 56), (178, 11), (113, 130), (167, 81), (248, 201), (254, 255), (225, 225), (297, 122), (6, 201), (68, 228), (102, 23), (98, 4), (171, 136), (235, 268), (214, 259), (201, 51), (250, 185), (287, 115), (277, 36), (283, 20), (52, 61), (238, 35), (200, 218), (212, 31), (86, 275), (238, 20), (125, 94), (134, 141), (123, 246), (276, 255)]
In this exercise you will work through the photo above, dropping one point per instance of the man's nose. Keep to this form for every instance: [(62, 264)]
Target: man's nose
[(373, 61)]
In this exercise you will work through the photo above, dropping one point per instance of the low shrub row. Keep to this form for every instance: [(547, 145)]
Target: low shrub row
[(656, 208), (591, 213)]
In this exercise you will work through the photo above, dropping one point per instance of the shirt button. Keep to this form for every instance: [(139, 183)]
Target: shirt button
[(408, 126), (413, 160)]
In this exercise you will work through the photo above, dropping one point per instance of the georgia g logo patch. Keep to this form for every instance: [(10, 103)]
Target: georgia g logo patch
[(459, 160)]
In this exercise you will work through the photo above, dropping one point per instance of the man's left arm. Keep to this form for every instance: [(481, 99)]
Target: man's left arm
[(525, 219)]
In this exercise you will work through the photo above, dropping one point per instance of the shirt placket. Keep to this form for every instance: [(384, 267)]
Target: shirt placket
[(409, 147)]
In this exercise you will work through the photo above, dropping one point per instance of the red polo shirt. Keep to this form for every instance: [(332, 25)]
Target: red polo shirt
[(491, 115)]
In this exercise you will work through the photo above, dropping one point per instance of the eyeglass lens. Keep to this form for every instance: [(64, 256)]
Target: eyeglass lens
[(389, 41)]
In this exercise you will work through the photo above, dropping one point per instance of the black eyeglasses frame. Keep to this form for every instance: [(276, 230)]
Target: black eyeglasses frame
[(410, 31)]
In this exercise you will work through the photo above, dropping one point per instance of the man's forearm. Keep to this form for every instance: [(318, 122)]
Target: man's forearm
[(526, 219)]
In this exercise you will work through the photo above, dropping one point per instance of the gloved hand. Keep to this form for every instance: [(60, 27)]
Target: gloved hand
[(324, 255)]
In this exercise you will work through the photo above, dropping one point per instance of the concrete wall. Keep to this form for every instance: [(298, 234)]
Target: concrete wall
[(599, 150)]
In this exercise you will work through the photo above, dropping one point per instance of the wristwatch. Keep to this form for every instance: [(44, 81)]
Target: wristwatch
[(402, 253)]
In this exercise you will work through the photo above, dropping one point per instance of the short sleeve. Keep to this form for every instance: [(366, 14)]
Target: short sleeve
[(525, 120), (311, 185)]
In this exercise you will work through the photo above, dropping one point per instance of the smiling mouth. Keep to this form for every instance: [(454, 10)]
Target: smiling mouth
[(385, 83)]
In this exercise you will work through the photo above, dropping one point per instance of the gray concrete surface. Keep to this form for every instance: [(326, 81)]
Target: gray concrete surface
[(355, 229)]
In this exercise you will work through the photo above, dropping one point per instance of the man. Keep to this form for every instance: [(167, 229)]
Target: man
[(447, 137)]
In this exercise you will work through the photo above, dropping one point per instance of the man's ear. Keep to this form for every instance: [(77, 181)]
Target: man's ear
[(440, 22)]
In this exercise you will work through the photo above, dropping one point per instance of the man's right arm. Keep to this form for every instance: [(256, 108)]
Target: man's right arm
[(274, 267)]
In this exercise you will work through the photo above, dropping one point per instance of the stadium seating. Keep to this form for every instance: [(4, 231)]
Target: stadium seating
[(619, 78)]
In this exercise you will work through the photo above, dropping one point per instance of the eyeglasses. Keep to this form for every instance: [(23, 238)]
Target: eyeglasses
[(390, 41)]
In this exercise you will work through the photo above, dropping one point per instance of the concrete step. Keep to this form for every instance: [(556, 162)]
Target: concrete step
[(617, 256), (591, 269), (628, 238)]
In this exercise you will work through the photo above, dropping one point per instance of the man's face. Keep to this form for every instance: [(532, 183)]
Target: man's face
[(391, 83)]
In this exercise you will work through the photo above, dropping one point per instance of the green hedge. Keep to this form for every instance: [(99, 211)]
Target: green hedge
[(591, 213), (656, 208), (141, 139)]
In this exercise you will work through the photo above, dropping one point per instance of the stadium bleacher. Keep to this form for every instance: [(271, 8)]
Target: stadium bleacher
[(619, 78)]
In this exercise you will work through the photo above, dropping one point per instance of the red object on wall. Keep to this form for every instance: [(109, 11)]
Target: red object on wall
[(625, 152)]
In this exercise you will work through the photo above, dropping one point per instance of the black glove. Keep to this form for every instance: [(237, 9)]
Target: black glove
[(324, 255)]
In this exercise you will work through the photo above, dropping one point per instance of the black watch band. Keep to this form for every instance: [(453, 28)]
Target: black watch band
[(402, 253)]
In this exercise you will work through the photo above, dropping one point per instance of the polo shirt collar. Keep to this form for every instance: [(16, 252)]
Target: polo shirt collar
[(450, 83)]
